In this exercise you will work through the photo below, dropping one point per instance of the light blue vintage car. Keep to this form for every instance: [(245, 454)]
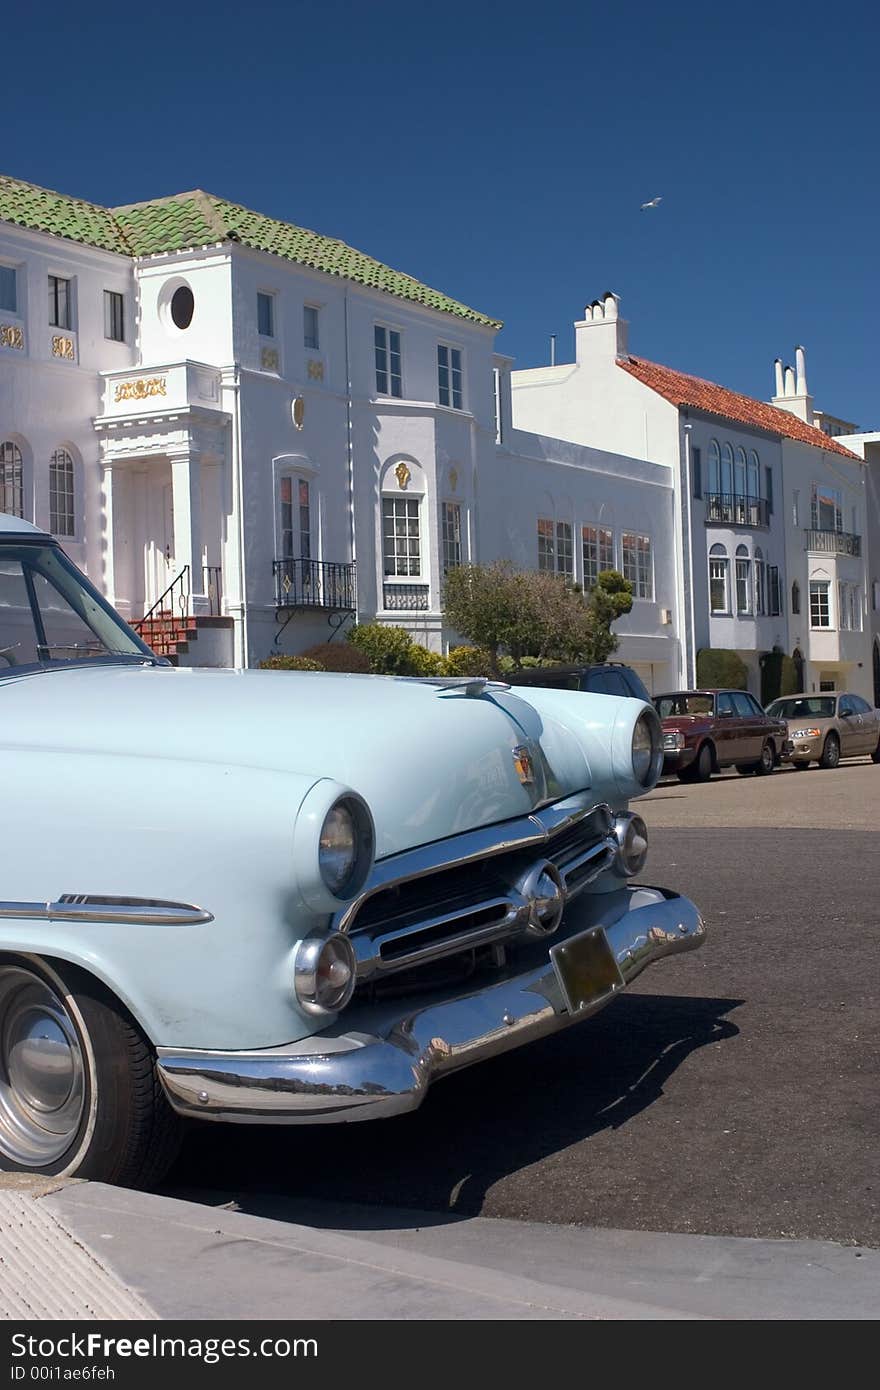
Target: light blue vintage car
[(287, 898)]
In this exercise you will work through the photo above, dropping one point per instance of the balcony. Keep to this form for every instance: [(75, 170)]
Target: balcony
[(314, 584), (405, 598), (833, 542), (731, 509), (178, 386)]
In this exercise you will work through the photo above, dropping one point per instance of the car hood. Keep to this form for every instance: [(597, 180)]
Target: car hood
[(429, 761)]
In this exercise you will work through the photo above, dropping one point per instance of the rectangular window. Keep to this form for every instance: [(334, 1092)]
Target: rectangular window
[(827, 508), (451, 535), (449, 376), (296, 519), (768, 488), (59, 302), (266, 315), (637, 564), (843, 607), (564, 549), (743, 597), (795, 508), (114, 319), (311, 330), (697, 464), (718, 586), (389, 381), (855, 598), (775, 593), (546, 547), (401, 536), (8, 290), (760, 588), (820, 606), (598, 546)]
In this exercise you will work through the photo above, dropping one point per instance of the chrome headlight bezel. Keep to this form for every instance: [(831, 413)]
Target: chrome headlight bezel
[(320, 893), (647, 758)]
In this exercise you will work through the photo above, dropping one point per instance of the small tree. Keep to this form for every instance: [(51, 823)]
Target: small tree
[(524, 614)]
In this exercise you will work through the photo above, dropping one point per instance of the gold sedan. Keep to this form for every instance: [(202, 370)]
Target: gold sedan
[(825, 728)]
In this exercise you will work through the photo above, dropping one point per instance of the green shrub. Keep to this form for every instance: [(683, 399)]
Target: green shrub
[(720, 668), (338, 656), (282, 661), (468, 661), (426, 663), (388, 650)]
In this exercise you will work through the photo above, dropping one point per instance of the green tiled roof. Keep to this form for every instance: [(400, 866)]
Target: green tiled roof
[(200, 219)]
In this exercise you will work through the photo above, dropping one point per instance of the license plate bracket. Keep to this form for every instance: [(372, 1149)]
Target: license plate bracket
[(586, 969)]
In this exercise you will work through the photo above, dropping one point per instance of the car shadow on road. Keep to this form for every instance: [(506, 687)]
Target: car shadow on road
[(474, 1128)]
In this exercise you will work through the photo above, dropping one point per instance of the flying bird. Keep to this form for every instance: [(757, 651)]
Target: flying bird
[(653, 203)]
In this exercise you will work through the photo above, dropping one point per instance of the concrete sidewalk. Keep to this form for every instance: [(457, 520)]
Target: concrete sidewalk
[(82, 1250)]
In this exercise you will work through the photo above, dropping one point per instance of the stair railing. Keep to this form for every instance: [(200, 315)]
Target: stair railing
[(176, 595)]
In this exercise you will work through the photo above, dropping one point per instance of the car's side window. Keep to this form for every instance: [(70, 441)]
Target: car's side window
[(755, 707), (860, 706), (742, 705), (724, 705), (845, 706), (18, 637), (607, 683)]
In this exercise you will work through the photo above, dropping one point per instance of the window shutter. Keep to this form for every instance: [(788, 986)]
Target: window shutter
[(768, 474), (698, 472), (773, 574)]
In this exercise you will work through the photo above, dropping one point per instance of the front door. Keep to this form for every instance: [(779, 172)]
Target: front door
[(161, 568)]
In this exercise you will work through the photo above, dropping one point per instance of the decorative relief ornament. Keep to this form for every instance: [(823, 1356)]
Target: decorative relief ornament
[(62, 347), (453, 479), (403, 475), (299, 412), (269, 359), (315, 370), (11, 336), (140, 389)]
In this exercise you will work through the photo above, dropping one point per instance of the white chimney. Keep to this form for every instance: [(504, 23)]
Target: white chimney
[(800, 358), (789, 382), (601, 332), (778, 366), (791, 387)]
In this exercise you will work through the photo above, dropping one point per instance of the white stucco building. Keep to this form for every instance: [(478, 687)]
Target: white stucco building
[(287, 432), (770, 511)]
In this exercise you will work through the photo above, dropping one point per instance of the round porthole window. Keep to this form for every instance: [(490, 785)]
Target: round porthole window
[(182, 307), (299, 412)]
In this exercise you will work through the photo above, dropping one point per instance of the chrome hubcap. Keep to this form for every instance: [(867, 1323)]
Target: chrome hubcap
[(42, 1074)]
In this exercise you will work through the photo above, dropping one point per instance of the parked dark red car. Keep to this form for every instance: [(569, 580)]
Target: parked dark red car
[(704, 730)]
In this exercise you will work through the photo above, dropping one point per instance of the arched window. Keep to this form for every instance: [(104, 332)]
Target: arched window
[(754, 475), (760, 582), (719, 599), (61, 522), (11, 479), (743, 588), (727, 470), (714, 467), (795, 597), (739, 473)]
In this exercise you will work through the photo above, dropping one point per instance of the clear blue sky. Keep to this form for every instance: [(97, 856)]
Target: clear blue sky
[(500, 152)]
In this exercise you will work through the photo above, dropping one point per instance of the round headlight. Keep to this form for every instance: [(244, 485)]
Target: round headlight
[(647, 751), (324, 973), (337, 848)]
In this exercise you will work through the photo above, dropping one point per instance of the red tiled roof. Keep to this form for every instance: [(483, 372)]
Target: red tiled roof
[(684, 390)]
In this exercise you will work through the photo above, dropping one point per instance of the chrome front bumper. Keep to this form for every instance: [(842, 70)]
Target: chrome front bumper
[(384, 1056)]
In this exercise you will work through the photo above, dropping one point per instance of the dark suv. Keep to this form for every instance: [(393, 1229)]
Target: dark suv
[(610, 679)]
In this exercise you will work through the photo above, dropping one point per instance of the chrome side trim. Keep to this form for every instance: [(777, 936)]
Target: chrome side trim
[(92, 907), (382, 1063)]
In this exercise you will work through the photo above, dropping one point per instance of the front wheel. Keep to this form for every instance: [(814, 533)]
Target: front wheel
[(830, 751), (79, 1093), (767, 761)]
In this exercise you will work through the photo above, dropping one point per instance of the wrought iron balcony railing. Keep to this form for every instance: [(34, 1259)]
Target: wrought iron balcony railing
[(314, 584), (833, 542), (405, 598), (731, 509)]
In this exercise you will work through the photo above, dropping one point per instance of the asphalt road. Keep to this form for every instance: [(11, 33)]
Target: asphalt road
[(730, 1091)]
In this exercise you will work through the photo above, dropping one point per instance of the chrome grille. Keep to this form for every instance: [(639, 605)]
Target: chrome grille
[(464, 893)]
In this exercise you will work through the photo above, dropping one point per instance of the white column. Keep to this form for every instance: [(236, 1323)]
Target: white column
[(116, 551), (186, 488)]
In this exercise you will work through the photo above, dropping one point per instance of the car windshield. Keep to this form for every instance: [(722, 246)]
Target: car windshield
[(804, 707), (670, 706), (50, 614)]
